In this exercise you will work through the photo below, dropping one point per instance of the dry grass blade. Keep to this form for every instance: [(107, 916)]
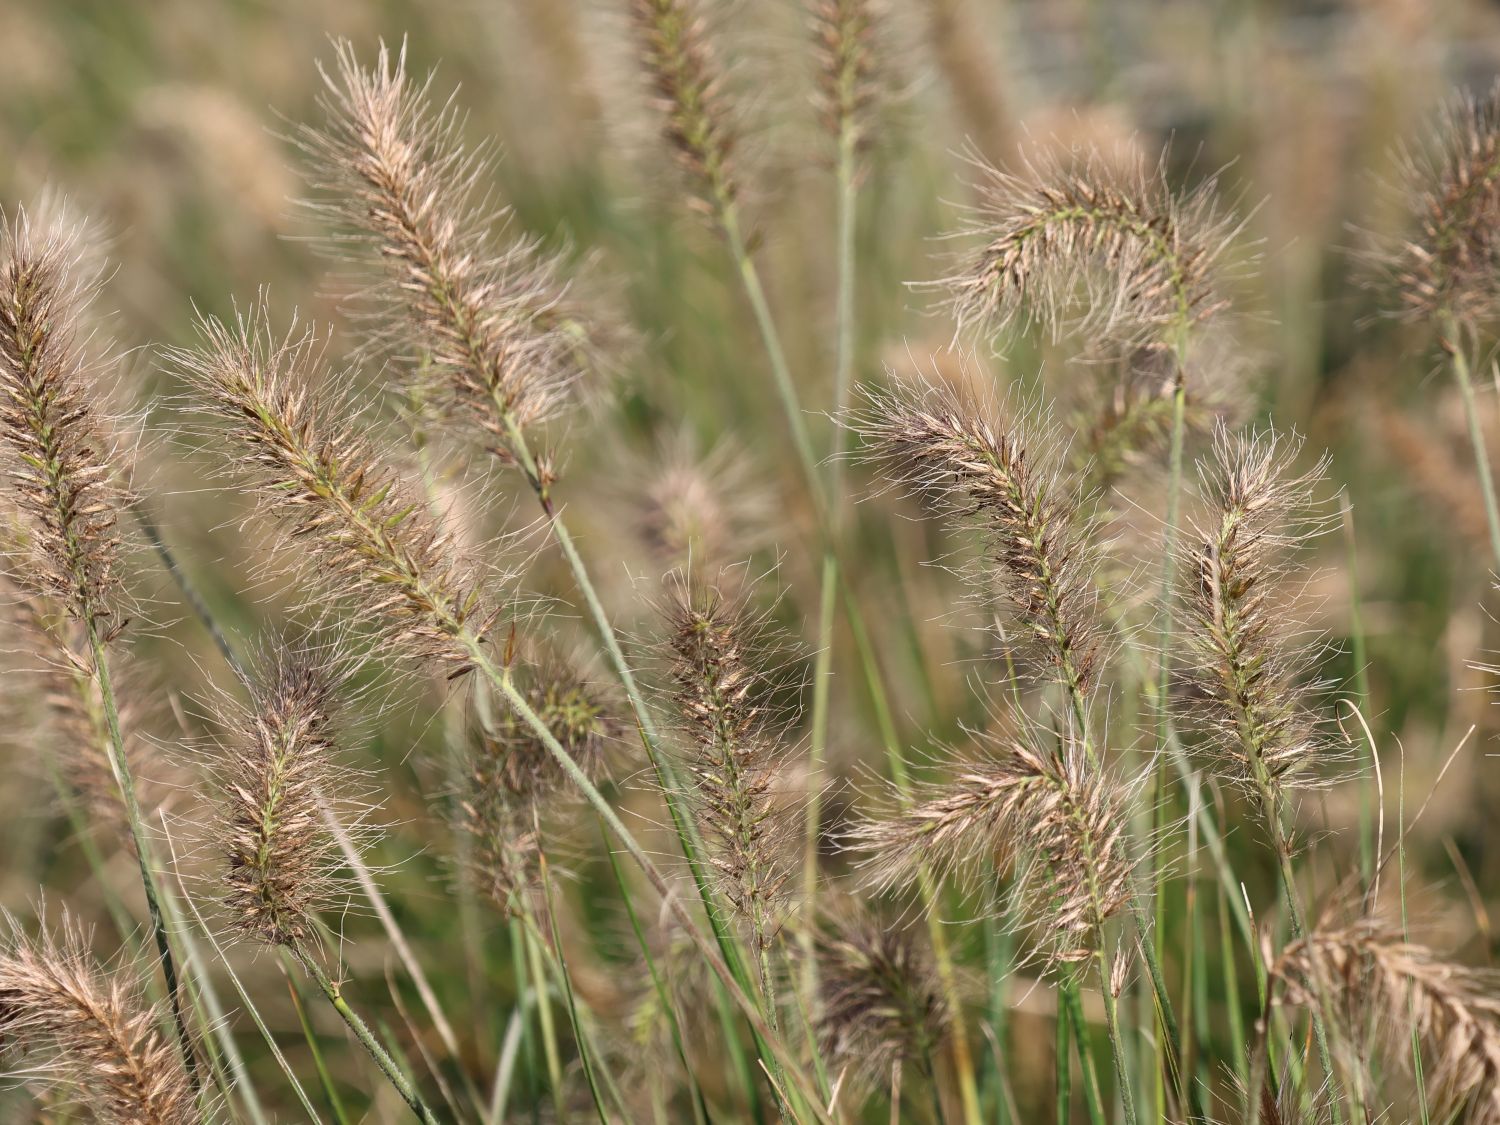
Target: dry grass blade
[(73, 1024)]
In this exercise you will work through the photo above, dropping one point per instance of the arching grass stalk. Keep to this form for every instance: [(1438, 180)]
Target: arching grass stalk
[(367, 1039), (1453, 343)]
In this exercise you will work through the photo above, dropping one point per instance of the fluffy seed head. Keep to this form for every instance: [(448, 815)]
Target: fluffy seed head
[(1099, 246), (512, 778), (987, 471), (280, 858), (881, 999), (687, 85), (700, 510), (490, 331), (1056, 821), (1450, 262), (76, 1026), (1399, 989), (845, 33), (722, 683), (365, 527), (1251, 668), (55, 458)]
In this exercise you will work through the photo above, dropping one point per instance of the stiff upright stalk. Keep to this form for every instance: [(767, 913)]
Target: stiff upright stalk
[(1454, 345)]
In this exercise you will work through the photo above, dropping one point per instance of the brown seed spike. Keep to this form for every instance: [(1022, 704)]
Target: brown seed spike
[(325, 483), (71, 1024), (979, 468), (493, 335), (1055, 820), (56, 460), (688, 87), (1450, 263), (844, 32), (280, 856)]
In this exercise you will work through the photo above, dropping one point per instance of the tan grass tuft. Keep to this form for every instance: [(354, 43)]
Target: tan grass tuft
[(75, 1025)]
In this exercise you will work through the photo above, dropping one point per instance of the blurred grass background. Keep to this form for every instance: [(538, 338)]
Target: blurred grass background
[(166, 122)]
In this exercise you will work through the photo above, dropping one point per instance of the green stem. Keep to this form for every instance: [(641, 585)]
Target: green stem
[(778, 1055), (1453, 342), (367, 1040), (121, 769)]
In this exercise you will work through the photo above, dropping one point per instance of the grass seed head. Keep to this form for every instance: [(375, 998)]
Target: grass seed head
[(76, 1026), (58, 465)]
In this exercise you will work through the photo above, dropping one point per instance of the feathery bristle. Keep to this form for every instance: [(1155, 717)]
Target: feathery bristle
[(845, 32), (881, 999), (512, 777), (358, 517), (1251, 666), (494, 334), (1451, 262), (1378, 980), (56, 458), (721, 684), (688, 86), (948, 449), (279, 855), (1087, 244), (1057, 821), (72, 1024)]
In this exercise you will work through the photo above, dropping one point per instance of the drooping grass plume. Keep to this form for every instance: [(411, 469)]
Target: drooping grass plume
[(1388, 990), (1055, 822), (512, 779), (723, 679), (994, 472), (66, 1021), (1449, 263), (484, 320), (1093, 244), (687, 84), (881, 1003), (1253, 669), (279, 775), (324, 481)]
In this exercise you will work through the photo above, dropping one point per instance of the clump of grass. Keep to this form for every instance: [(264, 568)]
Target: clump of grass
[(68, 1022)]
